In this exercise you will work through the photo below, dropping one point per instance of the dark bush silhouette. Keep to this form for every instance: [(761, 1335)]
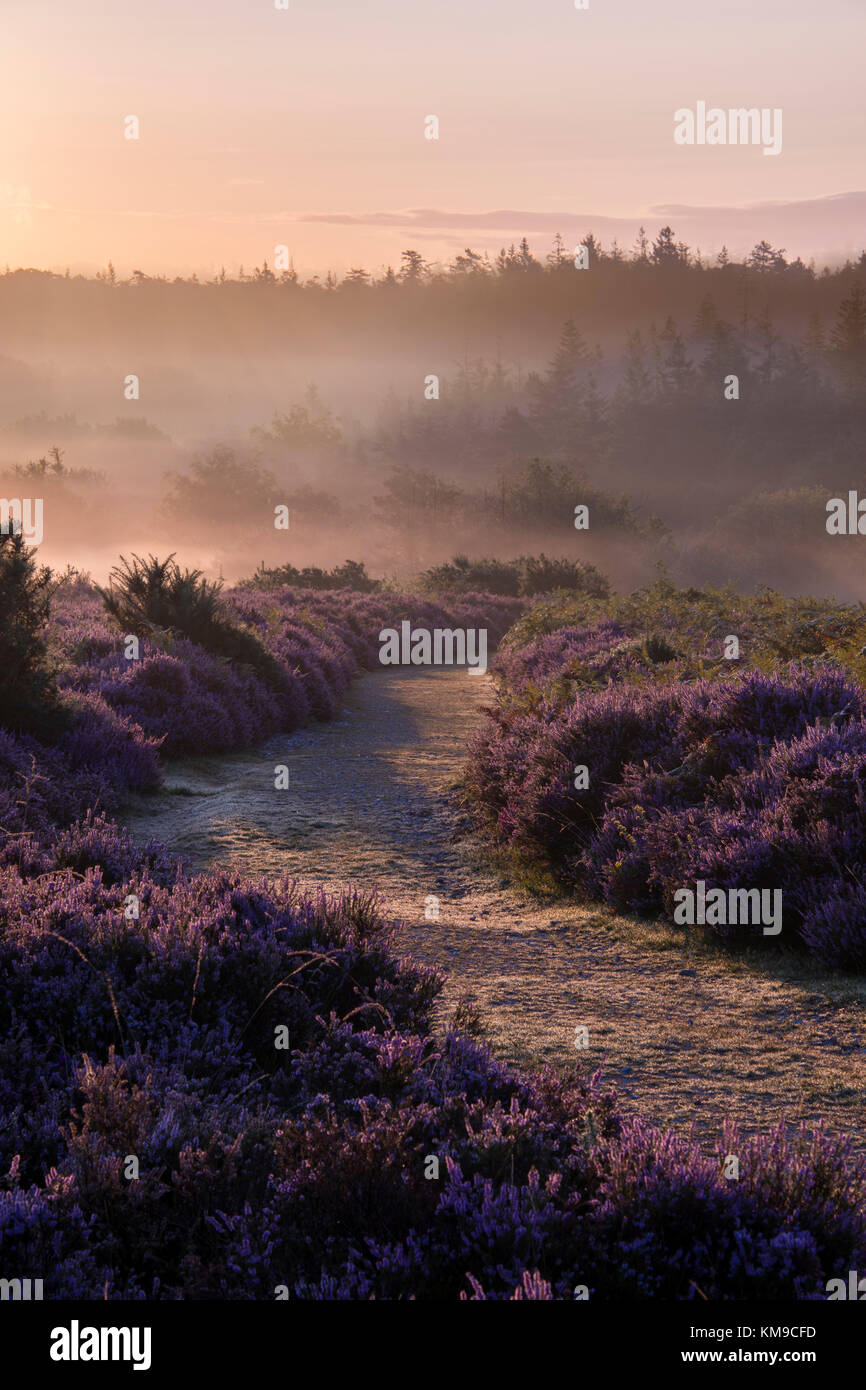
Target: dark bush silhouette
[(659, 649), (350, 575), (538, 575), (28, 696), (528, 574)]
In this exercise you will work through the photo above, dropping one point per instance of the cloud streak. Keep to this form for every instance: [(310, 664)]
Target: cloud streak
[(811, 225)]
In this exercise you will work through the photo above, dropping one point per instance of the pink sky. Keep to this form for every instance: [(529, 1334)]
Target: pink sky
[(306, 127)]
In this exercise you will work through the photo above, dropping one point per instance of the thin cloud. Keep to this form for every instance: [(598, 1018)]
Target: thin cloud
[(809, 226), (517, 219)]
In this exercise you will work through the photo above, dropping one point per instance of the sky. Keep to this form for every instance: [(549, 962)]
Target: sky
[(305, 127)]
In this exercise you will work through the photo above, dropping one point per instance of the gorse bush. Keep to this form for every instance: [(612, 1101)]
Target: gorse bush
[(148, 594), (145, 596)]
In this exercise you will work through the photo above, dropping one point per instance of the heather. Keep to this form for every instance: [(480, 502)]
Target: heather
[(83, 719), (304, 1168), (215, 1087), (738, 773), (660, 633), (257, 662)]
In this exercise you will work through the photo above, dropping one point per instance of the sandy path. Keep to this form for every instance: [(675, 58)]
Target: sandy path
[(687, 1033)]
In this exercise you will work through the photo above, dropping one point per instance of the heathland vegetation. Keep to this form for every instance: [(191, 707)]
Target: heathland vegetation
[(672, 737), (216, 1088)]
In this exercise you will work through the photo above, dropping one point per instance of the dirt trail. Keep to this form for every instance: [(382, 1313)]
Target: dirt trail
[(687, 1034)]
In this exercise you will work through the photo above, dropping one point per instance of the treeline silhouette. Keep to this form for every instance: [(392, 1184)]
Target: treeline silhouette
[(655, 278)]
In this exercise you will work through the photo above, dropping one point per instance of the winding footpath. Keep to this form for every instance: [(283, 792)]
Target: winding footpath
[(687, 1033)]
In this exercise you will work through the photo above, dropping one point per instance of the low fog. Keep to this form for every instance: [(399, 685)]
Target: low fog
[(703, 415)]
